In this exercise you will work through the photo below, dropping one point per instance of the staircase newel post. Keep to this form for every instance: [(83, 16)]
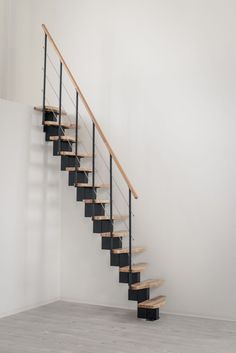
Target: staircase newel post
[(44, 76), (76, 136), (130, 240), (111, 199), (93, 170), (60, 99)]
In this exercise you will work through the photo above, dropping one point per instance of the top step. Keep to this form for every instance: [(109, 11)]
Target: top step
[(149, 283), (50, 109), (153, 303)]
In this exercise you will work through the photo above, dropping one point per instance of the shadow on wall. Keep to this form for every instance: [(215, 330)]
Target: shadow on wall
[(42, 209), (30, 219)]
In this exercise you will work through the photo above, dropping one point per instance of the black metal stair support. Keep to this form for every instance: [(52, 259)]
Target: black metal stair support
[(148, 314), (102, 226), (119, 259), (86, 193), (69, 161), (60, 145), (109, 243), (126, 277), (77, 177), (94, 209), (52, 130), (139, 295)]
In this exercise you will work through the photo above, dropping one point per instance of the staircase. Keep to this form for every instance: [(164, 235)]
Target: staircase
[(63, 133)]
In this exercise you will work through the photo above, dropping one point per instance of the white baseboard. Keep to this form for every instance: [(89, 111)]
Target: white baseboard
[(198, 316), (72, 300), (28, 307)]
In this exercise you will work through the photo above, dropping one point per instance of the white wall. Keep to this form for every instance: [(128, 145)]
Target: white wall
[(30, 212), (3, 51), (160, 76)]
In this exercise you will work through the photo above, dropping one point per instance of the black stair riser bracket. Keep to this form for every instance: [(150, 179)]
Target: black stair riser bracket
[(68, 161), (49, 116), (82, 177), (139, 295), (107, 242), (124, 277), (102, 226), (148, 314), (52, 131), (65, 146), (119, 260), (84, 193), (97, 209)]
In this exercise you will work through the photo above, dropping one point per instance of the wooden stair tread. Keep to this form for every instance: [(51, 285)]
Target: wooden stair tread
[(107, 218), (79, 169), (85, 185), (153, 303), (56, 123), (149, 283), (96, 201), (135, 268), (63, 138), (79, 154), (135, 250), (49, 108), (115, 234)]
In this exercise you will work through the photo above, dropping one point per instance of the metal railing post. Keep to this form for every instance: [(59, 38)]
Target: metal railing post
[(111, 199), (130, 239), (76, 136), (60, 98), (44, 76), (93, 169)]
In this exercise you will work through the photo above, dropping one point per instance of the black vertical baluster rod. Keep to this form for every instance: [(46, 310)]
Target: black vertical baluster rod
[(111, 198), (93, 169), (44, 76), (130, 240), (60, 98), (76, 137)]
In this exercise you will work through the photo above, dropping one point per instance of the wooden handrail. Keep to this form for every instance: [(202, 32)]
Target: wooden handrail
[(89, 111)]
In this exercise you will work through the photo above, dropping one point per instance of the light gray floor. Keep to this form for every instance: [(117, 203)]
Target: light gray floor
[(68, 328)]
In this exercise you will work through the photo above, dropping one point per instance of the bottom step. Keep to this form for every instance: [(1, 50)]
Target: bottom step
[(153, 303), (149, 309)]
